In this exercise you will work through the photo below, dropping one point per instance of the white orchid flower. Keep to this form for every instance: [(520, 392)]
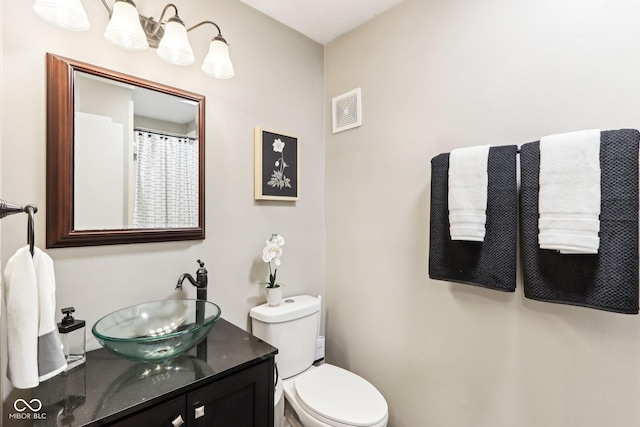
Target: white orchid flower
[(277, 250), (276, 239), (267, 256)]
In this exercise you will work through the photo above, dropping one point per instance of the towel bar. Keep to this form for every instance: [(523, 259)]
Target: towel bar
[(7, 209)]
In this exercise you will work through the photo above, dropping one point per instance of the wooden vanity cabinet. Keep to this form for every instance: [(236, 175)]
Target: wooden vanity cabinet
[(230, 383), (244, 399)]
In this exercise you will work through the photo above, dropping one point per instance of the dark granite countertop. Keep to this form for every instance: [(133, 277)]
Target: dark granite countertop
[(108, 387)]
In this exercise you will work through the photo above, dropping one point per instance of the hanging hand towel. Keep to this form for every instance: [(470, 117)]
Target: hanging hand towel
[(467, 197), (34, 352), (51, 359), (21, 297), (569, 201)]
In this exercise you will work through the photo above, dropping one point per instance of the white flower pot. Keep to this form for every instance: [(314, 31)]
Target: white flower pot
[(274, 296)]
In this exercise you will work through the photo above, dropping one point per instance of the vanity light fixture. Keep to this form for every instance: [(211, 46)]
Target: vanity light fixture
[(129, 30)]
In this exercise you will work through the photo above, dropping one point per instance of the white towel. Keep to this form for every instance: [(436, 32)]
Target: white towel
[(51, 359), (467, 195), (569, 199), (29, 289)]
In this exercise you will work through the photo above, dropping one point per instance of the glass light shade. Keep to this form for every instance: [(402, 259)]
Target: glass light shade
[(218, 63), (68, 14), (124, 28), (174, 46)]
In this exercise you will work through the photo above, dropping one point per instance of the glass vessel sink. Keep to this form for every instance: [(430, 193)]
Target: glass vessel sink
[(156, 331)]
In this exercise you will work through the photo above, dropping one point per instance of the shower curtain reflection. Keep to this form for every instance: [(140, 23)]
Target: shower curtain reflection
[(166, 181)]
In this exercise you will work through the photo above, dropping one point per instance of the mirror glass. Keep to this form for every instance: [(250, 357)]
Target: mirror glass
[(125, 158), (142, 147)]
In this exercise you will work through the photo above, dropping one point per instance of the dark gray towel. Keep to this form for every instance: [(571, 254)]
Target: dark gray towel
[(492, 263), (608, 280)]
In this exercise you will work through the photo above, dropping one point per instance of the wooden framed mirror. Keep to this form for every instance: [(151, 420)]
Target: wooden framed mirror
[(125, 158)]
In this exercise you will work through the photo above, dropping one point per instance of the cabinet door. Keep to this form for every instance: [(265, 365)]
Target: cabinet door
[(244, 399), (168, 414)]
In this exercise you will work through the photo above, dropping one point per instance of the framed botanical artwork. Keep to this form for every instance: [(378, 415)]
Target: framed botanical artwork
[(277, 166)]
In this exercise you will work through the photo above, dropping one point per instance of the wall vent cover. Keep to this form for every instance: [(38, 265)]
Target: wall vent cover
[(347, 110)]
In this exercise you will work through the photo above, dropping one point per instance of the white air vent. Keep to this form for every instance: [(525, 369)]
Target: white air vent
[(347, 110)]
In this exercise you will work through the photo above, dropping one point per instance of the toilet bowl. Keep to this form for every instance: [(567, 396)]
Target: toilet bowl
[(329, 396), (320, 396)]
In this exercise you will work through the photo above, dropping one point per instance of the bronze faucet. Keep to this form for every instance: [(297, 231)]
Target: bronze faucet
[(199, 282)]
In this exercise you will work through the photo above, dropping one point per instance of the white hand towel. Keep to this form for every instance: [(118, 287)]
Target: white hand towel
[(467, 195), (21, 297), (51, 359), (569, 199), (34, 348)]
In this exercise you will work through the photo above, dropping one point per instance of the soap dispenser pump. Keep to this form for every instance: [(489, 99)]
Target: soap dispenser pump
[(72, 332)]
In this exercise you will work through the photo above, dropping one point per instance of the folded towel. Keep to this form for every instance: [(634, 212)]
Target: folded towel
[(607, 280), (467, 197), (34, 353), (569, 200), (492, 263)]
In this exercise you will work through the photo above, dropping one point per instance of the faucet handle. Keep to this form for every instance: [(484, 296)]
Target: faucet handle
[(201, 271), (201, 276)]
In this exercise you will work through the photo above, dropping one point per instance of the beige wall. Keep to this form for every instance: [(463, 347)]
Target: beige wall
[(278, 85), (441, 74)]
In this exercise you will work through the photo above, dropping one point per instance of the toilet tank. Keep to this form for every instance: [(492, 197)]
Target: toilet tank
[(292, 327)]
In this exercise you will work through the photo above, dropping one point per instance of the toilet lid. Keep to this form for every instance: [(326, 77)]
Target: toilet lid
[(342, 396)]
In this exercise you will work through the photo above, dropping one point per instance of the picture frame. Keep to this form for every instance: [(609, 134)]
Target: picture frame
[(277, 165)]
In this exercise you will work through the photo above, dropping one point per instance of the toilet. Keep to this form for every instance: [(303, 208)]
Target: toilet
[(320, 396)]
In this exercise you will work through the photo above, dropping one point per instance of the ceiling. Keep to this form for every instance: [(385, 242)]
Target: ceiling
[(322, 20)]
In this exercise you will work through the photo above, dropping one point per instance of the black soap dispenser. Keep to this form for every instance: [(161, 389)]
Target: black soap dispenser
[(72, 332)]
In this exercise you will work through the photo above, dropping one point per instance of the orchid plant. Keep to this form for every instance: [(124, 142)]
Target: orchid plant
[(272, 253)]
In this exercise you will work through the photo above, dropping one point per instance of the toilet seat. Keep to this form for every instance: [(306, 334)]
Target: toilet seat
[(340, 398)]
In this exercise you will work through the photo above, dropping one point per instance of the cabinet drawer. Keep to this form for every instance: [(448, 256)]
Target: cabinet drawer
[(167, 414)]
